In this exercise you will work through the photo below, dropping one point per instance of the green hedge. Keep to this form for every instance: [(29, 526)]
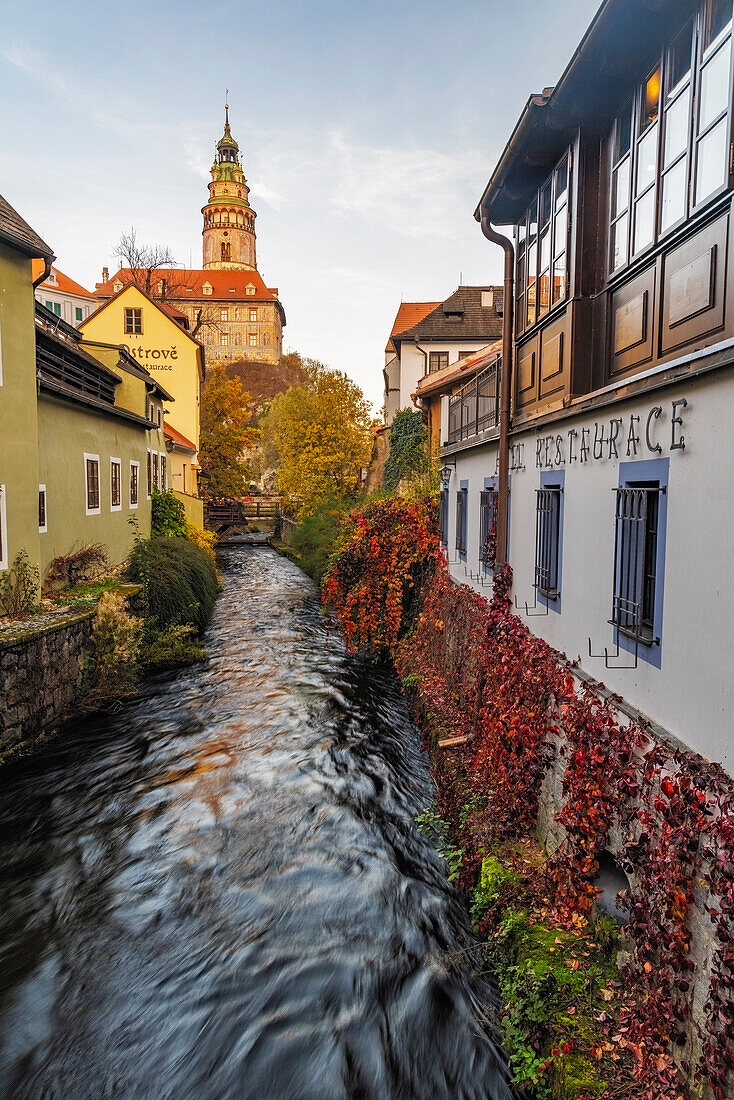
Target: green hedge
[(180, 582)]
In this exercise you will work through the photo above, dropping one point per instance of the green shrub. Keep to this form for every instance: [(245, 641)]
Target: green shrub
[(115, 650), (19, 587), (409, 452), (173, 648), (180, 584), (316, 536), (168, 516)]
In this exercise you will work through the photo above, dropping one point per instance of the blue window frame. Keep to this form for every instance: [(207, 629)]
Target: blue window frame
[(443, 517), (549, 538), (488, 502), (639, 558), (462, 517)]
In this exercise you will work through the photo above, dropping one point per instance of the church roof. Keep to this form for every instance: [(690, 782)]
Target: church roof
[(63, 282), (18, 233)]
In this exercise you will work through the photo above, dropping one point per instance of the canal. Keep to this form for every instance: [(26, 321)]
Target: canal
[(220, 891)]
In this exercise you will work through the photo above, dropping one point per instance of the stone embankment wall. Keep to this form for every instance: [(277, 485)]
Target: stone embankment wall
[(41, 670), (287, 527)]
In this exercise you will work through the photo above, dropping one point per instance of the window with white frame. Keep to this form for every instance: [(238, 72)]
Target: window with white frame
[(253, 313), (252, 340), (3, 529), (91, 475), (134, 478), (150, 475), (163, 473), (156, 483), (670, 143), (42, 513), (115, 485)]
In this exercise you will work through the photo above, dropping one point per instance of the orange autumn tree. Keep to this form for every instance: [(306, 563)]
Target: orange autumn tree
[(225, 435)]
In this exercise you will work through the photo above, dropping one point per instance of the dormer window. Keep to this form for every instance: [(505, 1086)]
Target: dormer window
[(250, 289), (117, 286), (52, 278), (206, 288)]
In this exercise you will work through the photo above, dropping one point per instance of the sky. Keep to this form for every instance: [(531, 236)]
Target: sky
[(367, 132)]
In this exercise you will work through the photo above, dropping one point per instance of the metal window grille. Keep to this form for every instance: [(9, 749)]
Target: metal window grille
[(133, 485), (41, 508), (547, 540), (92, 483), (443, 517), (115, 487), (488, 527), (461, 519), (635, 564), (134, 321), (475, 408)]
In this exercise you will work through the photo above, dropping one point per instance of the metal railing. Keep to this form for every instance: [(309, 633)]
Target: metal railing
[(475, 408)]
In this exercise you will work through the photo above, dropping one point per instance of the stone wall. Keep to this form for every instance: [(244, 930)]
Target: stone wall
[(41, 669)]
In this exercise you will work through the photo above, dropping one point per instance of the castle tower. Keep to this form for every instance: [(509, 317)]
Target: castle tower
[(229, 220)]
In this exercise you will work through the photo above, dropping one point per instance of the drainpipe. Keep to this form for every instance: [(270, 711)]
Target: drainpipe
[(503, 473), (47, 265)]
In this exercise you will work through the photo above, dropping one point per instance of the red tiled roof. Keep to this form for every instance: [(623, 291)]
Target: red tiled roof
[(183, 284), (63, 282), (409, 314), (178, 437)]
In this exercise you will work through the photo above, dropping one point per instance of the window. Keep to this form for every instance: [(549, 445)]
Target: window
[(226, 249), (437, 360), (462, 500), (133, 321), (639, 556), (250, 289), (3, 530), (206, 288), (156, 483), (443, 517), (91, 470), (542, 249), (549, 538), (150, 475), (134, 474), (223, 339), (115, 485), (488, 527), (159, 416), (223, 313), (49, 305), (164, 484), (670, 145), (78, 313), (466, 354), (252, 340), (253, 314), (42, 517)]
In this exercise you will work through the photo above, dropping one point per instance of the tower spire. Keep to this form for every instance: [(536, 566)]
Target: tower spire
[(229, 220)]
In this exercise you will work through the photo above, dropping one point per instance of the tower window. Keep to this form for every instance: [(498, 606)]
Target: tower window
[(226, 252), (134, 321)]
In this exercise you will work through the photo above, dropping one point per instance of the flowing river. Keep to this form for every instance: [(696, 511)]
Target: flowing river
[(221, 891)]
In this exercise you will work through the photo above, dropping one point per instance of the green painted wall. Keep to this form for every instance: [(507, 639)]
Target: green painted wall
[(18, 432), (66, 431), (193, 507)]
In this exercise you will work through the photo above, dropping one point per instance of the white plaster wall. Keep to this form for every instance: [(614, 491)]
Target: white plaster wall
[(69, 303), (414, 364), (692, 693)]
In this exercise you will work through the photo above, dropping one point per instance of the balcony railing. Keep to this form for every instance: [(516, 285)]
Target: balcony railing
[(475, 408)]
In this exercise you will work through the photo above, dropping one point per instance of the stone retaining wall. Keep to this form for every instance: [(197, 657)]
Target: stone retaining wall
[(41, 669)]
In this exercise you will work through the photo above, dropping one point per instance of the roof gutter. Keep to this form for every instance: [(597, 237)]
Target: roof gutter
[(503, 472), (47, 264)]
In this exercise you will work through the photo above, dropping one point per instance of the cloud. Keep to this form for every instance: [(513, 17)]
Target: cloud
[(405, 190)]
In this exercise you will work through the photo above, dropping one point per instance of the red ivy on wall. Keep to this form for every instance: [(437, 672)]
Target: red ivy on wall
[(489, 679)]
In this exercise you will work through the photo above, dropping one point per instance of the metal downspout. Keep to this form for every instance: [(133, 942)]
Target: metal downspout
[(503, 472), (47, 265)]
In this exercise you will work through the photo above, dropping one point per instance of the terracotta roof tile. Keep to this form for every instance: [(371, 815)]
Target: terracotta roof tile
[(408, 315), (18, 232), (183, 284), (63, 282), (178, 437)]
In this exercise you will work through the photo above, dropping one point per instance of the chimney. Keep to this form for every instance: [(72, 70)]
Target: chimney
[(105, 274)]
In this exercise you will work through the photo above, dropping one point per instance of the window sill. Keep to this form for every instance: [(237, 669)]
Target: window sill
[(646, 640)]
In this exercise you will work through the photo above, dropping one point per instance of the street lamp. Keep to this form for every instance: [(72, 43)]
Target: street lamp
[(445, 474)]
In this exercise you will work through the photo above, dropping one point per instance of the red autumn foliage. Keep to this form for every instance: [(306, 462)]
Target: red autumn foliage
[(485, 676)]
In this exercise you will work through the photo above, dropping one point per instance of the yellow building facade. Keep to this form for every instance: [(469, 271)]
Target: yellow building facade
[(159, 344)]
